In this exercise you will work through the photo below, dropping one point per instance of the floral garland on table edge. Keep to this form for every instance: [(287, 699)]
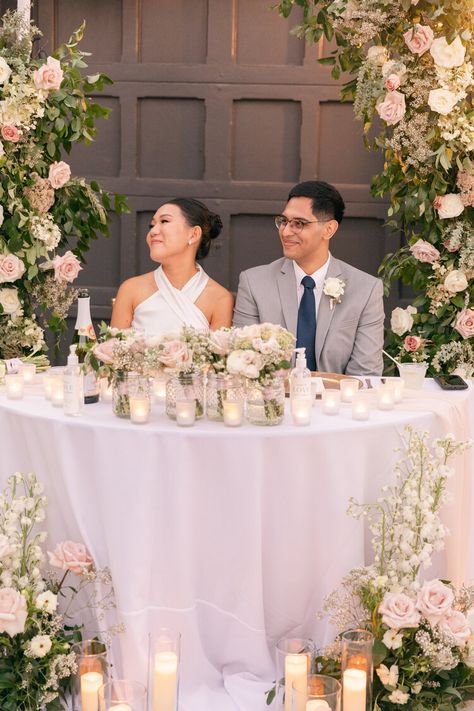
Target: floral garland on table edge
[(413, 60), (424, 647), (44, 110), (36, 637)]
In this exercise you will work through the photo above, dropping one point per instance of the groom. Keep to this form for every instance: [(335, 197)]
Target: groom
[(335, 310)]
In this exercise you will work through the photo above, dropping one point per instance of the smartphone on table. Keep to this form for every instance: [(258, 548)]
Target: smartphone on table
[(451, 382)]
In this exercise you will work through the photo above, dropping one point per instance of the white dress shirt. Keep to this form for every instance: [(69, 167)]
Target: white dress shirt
[(319, 277)]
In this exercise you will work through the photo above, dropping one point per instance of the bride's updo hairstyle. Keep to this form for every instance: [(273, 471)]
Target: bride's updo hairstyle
[(197, 214)]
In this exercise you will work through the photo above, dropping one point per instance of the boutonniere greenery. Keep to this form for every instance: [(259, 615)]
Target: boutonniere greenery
[(334, 288)]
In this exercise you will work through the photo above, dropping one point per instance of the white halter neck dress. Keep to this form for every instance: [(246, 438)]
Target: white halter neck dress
[(168, 308)]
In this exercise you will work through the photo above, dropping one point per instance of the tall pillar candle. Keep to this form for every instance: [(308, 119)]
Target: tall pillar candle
[(354, 686), (90, 685), (165, 681), (296, 675)]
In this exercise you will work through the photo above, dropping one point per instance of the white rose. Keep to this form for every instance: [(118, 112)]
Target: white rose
[(448, 55), (449, 205), (40, 645), (5, 71), (392, 639), (402, 320), (442, 101), (333, 287), (377, 54), (388, 677), (456, 281), (10, 301), (47, 601)]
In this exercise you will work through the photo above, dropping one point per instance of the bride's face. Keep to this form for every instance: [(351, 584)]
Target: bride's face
[(170, 234)]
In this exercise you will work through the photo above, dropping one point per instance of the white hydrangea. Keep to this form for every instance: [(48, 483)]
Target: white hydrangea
[(44, 230)]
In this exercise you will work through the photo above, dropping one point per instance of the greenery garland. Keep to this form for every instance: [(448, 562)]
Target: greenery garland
[(45, 108), (413, 73)]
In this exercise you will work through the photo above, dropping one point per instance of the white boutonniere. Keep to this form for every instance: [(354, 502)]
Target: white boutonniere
[(334, 288)]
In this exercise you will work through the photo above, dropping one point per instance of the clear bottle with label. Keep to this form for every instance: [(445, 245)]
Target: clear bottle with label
[(83, 334), (300, 378), (73, 380)]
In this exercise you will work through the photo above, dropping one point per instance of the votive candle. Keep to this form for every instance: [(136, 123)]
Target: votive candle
[(301, 411), (90, 685), (296, 676), (354, 689), (360, 408), (159, 389), (165, 681), (185, 412), (331, 400), (317, 705), (57, 391), (385, 397), (349, 388), (28, 371), (120, 707), (233, 412), (139, 409), (48, 385), (105, 390), (14, 385), (398, 387)]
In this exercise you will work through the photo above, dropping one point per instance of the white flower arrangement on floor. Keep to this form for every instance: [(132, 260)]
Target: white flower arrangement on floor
[(36, 659)]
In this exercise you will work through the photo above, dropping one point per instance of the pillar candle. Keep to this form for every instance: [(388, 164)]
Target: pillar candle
[(139, 409), (185, 412), (317, 705), (159, 389), (331, 400), (385, 398), (233, 413), (120, 707), (28, 371), (165, 681), (360, 408), (14, 385), (301, 411), (296, 675), (348, 389), (354, 690), (90, 685)]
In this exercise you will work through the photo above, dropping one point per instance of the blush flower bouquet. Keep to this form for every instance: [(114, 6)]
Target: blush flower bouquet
[(424, 645), (37, 621)]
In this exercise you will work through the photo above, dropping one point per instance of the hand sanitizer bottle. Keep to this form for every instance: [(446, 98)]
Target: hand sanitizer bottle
[(300, 377), (73, 385)]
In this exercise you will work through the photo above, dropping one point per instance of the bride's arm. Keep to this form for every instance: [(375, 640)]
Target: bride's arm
[(122, 312)]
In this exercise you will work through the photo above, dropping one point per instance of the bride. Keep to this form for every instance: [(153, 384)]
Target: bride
[(178, 292)]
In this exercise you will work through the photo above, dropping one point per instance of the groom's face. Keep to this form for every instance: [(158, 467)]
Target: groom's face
[(312, 240)]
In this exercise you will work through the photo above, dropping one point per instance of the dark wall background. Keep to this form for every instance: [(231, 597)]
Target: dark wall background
[(213, 99)]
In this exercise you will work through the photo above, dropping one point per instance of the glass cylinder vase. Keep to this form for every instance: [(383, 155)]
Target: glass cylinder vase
[(219, 388), (185, 387), (122, 381), (294, 660), (265, 402), (322, 693), (164, 660), (92, 673), (122, 695), (357, 669)]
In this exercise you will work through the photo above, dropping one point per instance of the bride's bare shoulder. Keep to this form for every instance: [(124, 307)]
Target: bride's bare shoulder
[(139, 287), (219, 292)]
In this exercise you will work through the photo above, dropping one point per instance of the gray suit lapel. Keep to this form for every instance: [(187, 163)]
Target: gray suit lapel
[(286, 283), (325, 313)]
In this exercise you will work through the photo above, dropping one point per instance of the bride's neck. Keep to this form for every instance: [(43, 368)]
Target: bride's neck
[(179, 274)]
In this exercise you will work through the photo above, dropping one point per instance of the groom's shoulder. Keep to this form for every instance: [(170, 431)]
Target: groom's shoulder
[(265, 270)]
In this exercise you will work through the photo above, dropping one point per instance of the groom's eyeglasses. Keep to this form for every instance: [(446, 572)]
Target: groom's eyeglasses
[(296, 224)]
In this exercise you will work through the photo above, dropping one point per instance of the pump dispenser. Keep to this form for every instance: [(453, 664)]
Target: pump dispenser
[(300, 377), (73, 385)]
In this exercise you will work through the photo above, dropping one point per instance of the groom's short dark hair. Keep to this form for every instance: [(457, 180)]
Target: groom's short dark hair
[(326, 200)]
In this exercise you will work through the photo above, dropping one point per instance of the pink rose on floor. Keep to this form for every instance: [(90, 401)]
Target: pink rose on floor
[(71, 556), (10, 133), (59, 174), (49, 76), (465, 323), (392, 82), (13, 611), (176, 355), (424, 252), (11, 268), (392, 108), (419, 39), (412, 343), (449, 205), (434, 600), (398, 611), (455, 624), (67, 267), (105, 351)]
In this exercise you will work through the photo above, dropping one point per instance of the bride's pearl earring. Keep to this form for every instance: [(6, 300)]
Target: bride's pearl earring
[(190, 242)]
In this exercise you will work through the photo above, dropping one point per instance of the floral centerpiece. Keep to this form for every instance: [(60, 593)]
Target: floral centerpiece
[(45, 107), (424, 647), (36, 659), (261, 353), (411, 66)]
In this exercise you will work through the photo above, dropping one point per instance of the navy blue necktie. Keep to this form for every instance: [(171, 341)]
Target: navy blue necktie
[(306, 328)]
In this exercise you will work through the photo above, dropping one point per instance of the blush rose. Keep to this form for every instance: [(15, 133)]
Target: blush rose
[(412, 343), (465, 323), (392, 108), (67, 267), (11, 268), (455, 625), (449, 205), (424, 252), (419, 39), (49, 76), (434, 600), (10, 133), (59, 174), (71, 556), (13, 611), (398, 611)]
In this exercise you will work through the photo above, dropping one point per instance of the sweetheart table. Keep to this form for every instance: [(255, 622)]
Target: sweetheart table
[(231, 535)]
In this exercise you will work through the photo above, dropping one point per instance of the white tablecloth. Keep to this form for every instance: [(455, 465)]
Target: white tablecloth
[(232, 536)]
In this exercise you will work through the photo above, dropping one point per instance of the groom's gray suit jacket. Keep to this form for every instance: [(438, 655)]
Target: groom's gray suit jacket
[(349, 337)]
